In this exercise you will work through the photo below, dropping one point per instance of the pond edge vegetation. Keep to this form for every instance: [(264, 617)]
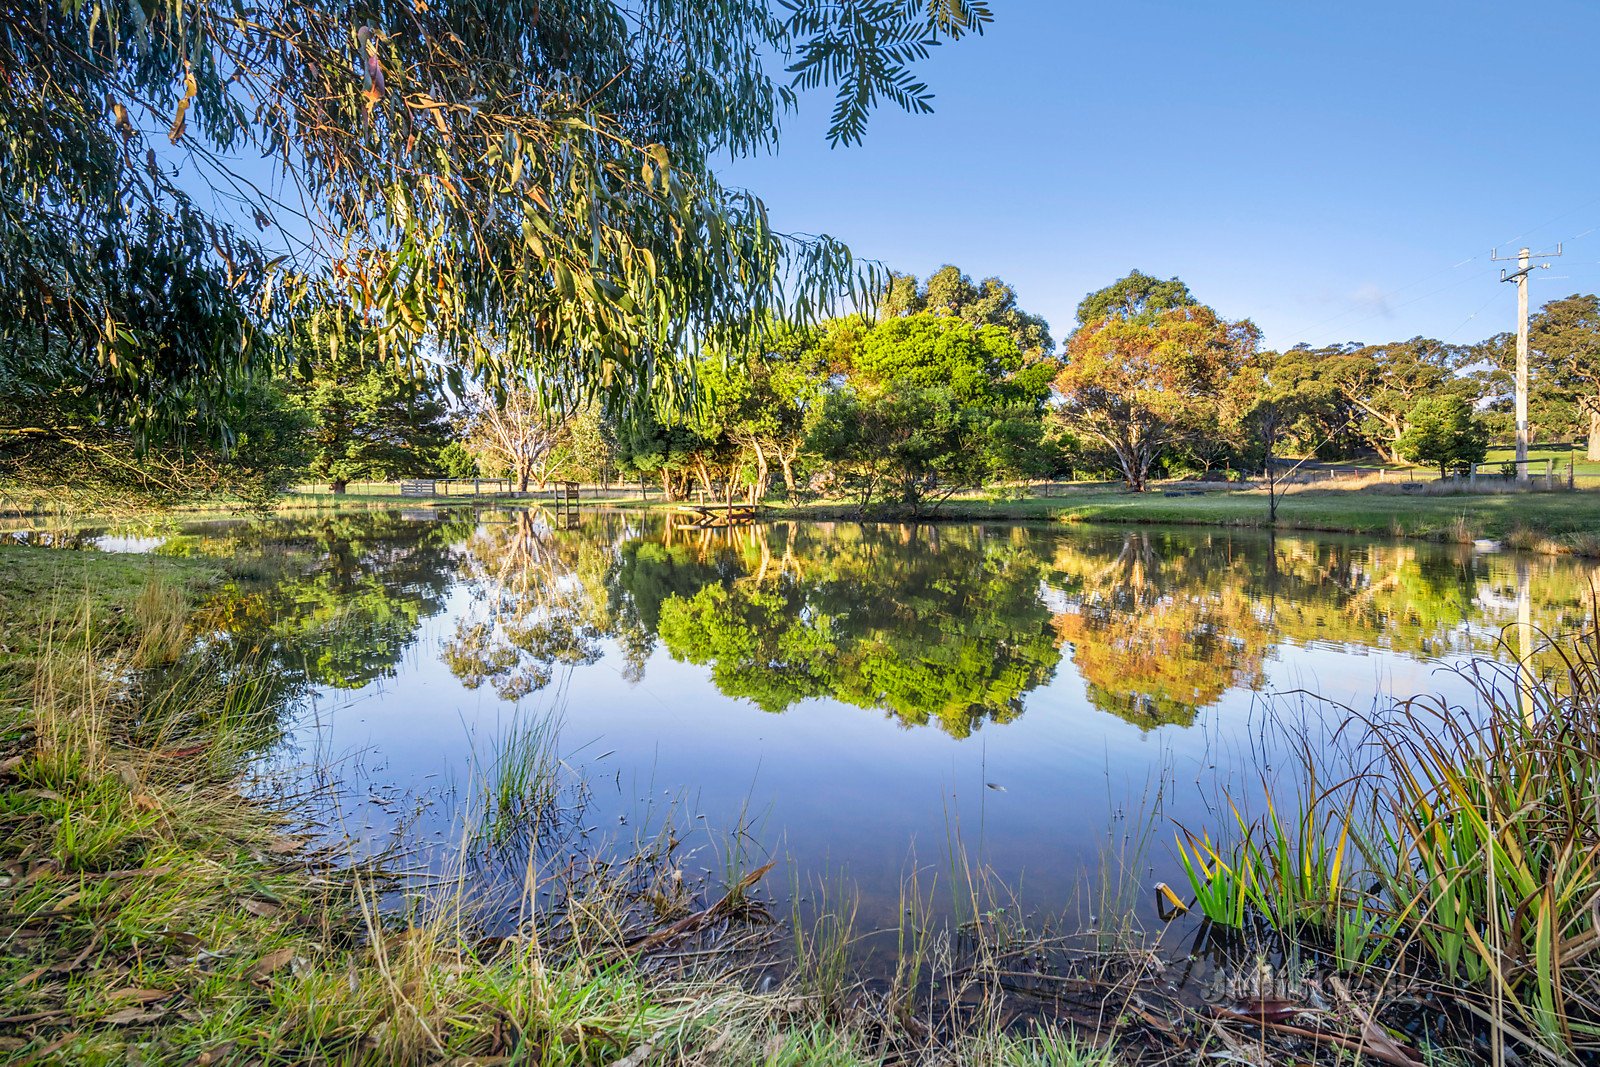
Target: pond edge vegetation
[(158, 902), (162, 907)]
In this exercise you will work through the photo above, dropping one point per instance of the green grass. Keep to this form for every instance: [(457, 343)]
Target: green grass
[(1560, 454), (1562, 517), (45, 591)]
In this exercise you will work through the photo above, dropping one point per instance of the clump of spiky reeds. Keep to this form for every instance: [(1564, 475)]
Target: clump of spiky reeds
[(1466, 854)]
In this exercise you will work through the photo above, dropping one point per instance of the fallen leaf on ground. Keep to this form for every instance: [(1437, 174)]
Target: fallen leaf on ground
[(272, 961), (215, 1054)]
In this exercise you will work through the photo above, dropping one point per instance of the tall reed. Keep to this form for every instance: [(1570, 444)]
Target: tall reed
[(1467, 852)]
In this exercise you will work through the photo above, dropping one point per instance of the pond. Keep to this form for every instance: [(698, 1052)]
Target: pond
[(864, 704)]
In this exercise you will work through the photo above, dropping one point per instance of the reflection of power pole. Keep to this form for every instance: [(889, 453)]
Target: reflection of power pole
[(1520, 276), (1524, 641)]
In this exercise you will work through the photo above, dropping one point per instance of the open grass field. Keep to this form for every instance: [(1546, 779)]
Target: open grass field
[(1560, 455), (1549, 521)]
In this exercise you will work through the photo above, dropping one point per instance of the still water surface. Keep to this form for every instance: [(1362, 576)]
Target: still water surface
[(857, 697)]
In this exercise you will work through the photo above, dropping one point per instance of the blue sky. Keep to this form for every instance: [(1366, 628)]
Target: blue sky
[(1335, 171)]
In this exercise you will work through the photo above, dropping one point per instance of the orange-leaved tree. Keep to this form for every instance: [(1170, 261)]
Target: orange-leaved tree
[(1142, 384)]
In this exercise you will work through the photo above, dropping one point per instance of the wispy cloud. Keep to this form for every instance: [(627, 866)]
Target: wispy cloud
[(1373, 300)]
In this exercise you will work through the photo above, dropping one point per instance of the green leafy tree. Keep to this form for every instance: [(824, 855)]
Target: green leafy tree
[(524, 187), (270, 448), (916, 446), (455, 461), (931, 404), (1266, 408), (990, 302), (1445, 432), (369, 419), (980, 365), (1327, 425), (592, 447), (1566, 336), (1138, 297), (757, 411), (108, 468), (1564, 391), (1384, 382), (651, 447)]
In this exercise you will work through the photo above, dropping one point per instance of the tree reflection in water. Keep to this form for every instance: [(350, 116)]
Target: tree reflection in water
[(954, 625), (335, 601), (945, 625), (531, 610), (1156, 635)]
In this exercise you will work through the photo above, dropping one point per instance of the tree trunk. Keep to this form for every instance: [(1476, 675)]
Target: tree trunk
[(1594, 429), (1392, 455), (703, 476), (788, 474), (1133, 470), (338, 485), (758, 491)]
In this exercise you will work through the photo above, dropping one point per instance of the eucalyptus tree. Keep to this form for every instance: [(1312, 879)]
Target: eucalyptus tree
[(513, 435), (1385, 382), (1566, 336), (1140, 385), (1136, 297), (521, 188), (1564, 398)]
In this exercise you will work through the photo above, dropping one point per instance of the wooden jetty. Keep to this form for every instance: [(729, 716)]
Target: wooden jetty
[(709, 515)]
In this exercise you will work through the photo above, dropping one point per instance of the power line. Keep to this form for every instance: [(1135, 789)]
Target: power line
[(1391, 293)]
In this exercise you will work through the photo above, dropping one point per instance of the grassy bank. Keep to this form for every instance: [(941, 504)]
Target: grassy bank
[(1452, 855), (1553, 521), (157, 910)]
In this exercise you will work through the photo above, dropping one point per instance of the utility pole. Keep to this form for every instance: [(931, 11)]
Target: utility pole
[(1520, 276)]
